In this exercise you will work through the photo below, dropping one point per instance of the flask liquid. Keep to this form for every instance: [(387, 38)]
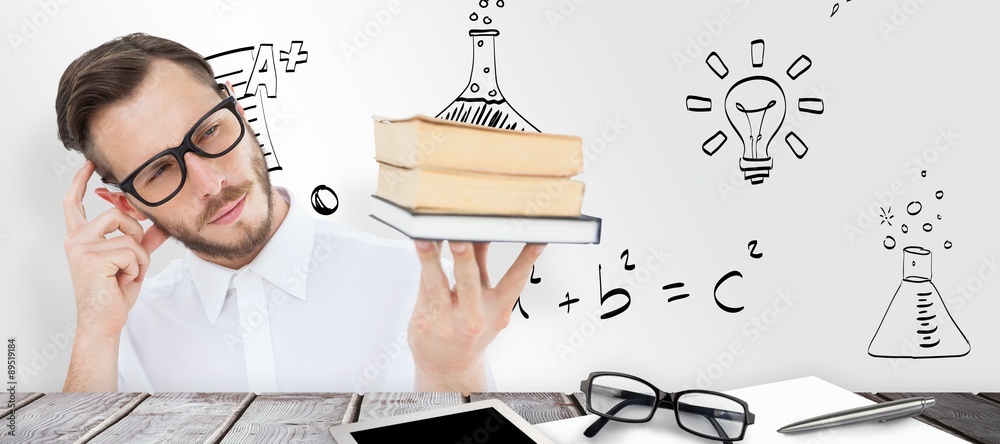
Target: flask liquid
[(917, 323), (482, 103)]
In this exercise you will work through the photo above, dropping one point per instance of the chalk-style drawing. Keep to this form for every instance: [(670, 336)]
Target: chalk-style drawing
[(322, 197), (755, 107), (568, 302), (254, 75), (678, 296), (917, 323), (481, 102), (836, 7)]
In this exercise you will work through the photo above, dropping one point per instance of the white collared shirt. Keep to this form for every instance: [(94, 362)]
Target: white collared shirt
[(323, 307)]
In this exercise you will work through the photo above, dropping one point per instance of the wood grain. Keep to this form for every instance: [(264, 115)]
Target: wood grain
[(69, 417), (20, 400), (384, 405), (991, 396), (962, 414), (179, 417), (293, 417), (536, 407)]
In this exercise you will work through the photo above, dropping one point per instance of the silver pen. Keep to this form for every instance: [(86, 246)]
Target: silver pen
[(882, 412)]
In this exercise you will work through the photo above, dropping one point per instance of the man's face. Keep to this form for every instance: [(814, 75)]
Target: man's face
[(224, 209)]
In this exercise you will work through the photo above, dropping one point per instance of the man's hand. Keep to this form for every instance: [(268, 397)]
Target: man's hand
[(451, 327), (106, 274)]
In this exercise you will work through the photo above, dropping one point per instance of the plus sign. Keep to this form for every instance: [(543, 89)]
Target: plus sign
[(300, 56)]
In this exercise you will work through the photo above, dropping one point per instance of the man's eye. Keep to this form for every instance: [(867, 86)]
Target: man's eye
[(159, 172)]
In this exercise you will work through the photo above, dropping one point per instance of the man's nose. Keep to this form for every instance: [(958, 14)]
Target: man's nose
[(204, 175)]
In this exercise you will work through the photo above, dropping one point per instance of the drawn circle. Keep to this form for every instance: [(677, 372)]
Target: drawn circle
[(484, 3), (889, 243), (493, 93), (486, 69), (939, 194), (321, 196), (914, 208), (928, 227), (487, 20), (474, 16), (474, 87), (499, 3), (947, 245), (923, 173), (479, 43), (905, 229), (939, 217)]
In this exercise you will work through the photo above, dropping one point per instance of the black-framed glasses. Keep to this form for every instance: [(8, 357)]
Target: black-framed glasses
[(626, 398), (161, 177)]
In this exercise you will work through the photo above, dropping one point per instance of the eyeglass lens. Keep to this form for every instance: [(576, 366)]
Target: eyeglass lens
[(710, 415), (217, 133), (622, 398)]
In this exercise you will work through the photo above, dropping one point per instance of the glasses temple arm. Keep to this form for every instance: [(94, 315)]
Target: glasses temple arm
[(600, 422)]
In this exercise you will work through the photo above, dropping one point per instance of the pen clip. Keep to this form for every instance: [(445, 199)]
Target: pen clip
[(927, 402)]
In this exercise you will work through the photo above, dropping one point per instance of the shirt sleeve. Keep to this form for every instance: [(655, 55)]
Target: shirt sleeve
[(131, 376)]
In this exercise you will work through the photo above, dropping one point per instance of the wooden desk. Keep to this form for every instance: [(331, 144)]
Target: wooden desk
[(305, 417)]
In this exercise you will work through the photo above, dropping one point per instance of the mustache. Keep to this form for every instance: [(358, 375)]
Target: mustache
[(227, 195)]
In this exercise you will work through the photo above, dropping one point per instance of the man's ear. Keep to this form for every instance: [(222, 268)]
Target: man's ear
[(229, 86), (120, 201)]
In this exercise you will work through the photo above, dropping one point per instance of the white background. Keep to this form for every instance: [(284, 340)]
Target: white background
[(893, 74)]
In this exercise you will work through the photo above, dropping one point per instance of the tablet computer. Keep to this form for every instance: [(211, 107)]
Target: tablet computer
[(475, 422)]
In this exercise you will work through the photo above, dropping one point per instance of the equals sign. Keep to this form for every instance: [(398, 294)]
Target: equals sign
[(673, 286)]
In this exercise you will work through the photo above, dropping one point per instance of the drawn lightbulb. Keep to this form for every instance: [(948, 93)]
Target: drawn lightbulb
[(755, 107)]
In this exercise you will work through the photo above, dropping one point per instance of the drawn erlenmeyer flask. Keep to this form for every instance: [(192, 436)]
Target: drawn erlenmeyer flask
[(482, 103), (917, 324)]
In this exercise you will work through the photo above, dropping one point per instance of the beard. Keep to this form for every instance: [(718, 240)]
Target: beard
[(251, 237)]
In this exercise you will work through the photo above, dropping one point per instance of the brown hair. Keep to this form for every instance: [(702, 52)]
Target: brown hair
[(109, 74)]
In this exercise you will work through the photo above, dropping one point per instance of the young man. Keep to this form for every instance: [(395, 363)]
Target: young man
[(268, 298)]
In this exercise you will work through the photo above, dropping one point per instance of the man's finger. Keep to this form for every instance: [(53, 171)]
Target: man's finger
[(153, 238), (467, 278), (109, 222), (512, 282), (432, 276), (481, 252), (125, 242), (76, 215)]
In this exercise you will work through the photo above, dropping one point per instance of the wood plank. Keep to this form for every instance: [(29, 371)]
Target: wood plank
[(991, 396), (67, 417), (179, 417), (871, 396), (535, 407), (962, 414), (293, 417), (21, 399), (384, 405)]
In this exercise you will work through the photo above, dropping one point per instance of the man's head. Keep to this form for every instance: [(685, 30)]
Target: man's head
[(128, 100)]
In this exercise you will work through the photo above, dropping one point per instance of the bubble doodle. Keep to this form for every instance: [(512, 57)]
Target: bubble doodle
[(474, 16), (484, 3), (923, 173), (322, 197), (914, 208), (889, 243), (928, 227), (939, 217), (487, 20), (905, 229), (947, 245), (939, 194)]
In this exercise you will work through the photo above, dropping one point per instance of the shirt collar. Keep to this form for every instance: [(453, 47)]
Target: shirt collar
[(283, 261)]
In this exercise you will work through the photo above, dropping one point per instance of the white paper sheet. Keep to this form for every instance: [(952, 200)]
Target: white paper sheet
[(775, 405)]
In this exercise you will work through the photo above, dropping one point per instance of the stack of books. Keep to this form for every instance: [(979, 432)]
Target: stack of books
[(445, 180)]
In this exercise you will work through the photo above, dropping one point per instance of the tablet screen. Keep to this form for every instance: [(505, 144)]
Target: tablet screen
[(475, 426)]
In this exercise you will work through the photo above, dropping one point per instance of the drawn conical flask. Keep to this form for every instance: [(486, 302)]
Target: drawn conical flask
[(482, 103), (917, 324)]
